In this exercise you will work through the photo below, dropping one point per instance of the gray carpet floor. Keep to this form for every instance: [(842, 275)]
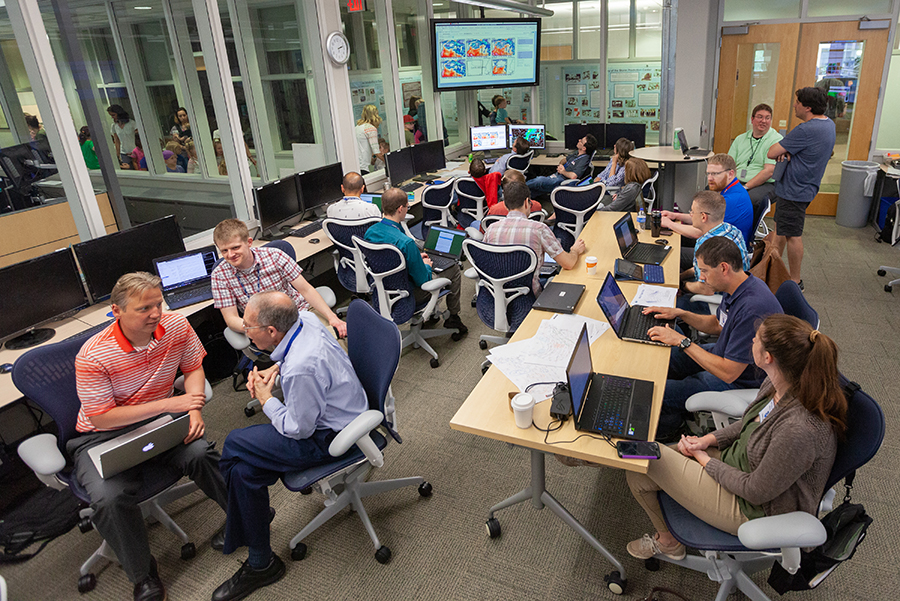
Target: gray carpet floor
[(440, 550)]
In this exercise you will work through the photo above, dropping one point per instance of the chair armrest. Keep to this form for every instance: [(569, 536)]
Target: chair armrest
[(435, 284), (237, 340), (471, 273), (357, 432), (41, 454), (474, 233), (327, 295), (178, 384), (723, 402), (713, 299), (789, 531)]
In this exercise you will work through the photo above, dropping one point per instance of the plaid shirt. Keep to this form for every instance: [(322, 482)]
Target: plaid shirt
[(518, 229), (272, 270), (730, 232)]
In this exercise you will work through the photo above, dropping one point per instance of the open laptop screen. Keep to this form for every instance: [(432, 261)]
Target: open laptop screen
[(579, 371), (613, 303), (446, 241), (186, 268), (624, 234)]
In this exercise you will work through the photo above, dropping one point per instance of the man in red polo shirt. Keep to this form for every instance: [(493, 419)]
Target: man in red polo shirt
[(124, 377)]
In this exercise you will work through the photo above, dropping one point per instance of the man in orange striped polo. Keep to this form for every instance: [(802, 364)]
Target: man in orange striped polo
[(124, 377)]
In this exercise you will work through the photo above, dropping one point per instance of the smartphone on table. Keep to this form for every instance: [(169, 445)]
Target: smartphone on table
[(637, 449)]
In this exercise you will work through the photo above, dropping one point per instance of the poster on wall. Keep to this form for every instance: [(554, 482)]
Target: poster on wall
[(634, 90)]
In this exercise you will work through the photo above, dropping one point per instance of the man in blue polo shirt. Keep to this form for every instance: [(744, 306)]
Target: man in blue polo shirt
[(394, 206), (573, 167), (727, 363)]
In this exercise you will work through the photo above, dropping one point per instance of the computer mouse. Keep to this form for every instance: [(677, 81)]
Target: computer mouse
[(5, 368), (662, 242), (313, 240)]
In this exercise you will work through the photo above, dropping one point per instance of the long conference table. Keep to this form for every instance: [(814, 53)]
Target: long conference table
[(486, 411)]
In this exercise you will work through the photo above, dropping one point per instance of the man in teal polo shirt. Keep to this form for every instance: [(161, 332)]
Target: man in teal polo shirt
[(394, 206), (749, 150)]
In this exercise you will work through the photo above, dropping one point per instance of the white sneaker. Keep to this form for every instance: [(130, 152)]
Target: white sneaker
[(647, 546)]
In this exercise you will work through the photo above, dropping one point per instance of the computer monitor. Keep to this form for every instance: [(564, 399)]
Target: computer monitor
[(489, 137), (320, 186), (277, 203), (400, 166), (39, 290), (104, 260), (576, 131), (428, 156), (636, 132), (535, 134), (19, 162)]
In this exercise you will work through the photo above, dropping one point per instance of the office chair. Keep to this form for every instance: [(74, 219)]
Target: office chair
[(394, 297), (373, 344), (3, 591), (46, 375), (348, 262), (436, 200), (504, 295), (649, 193), (574, 206), (894, 271), (520, 162), (471, 201), (794, 303), (731, 560), (759, 214)]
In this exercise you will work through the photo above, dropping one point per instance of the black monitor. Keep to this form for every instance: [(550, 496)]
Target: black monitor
[(320, 186), (20, 163), (104, 260), (636, 132), (428, 156), (576, 131), (277, 203), (39, 290), (400, 166)]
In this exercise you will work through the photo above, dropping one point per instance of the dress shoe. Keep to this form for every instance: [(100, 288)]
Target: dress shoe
[(246, 580), (455, 323), (150, 588), (217, 542)]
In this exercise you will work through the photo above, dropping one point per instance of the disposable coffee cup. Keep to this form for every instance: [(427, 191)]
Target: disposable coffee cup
[(590, 263), (523, 407)]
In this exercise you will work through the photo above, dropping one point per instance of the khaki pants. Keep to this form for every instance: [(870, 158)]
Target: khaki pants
[(683, 479)]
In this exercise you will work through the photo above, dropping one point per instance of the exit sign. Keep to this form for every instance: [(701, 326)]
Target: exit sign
[(355, 6)]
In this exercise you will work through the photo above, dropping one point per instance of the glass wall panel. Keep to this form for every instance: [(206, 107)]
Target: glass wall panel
[(648, 30), (741, 10), (556, 32), (590, 28), (837, 8), (618, 43)]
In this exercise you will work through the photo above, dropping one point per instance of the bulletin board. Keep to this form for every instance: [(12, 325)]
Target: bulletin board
[(634, 92)]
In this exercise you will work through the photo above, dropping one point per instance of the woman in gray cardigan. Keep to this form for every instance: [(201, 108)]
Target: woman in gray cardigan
[(636, 173), (775, 460)]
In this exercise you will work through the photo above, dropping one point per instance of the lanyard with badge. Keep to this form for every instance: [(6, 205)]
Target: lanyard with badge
[(258, 281), (753, 150), (291, 341)]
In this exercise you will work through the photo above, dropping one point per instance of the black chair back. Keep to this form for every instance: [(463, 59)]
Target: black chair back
[(373, 344), (794, 303), (284, 246), (864, 435)]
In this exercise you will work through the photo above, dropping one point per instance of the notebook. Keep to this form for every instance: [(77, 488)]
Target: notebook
[(627, 321), (186, 276), (444, 247), (139, 445), (559, 298), (634, 251), (607, 404)]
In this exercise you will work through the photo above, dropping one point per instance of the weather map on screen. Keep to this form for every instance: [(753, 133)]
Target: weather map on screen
[(470, 55)]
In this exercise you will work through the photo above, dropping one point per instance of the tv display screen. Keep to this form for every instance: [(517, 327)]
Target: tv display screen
[(636, 132), (535, 134), (576, 131), (473, 54), (490, 137)]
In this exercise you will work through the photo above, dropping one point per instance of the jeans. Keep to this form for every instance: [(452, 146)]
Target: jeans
[(544, 184)]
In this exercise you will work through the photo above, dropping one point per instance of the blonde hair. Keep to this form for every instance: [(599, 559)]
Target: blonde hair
[(174, 147), (370, 115), (131, 284), (227, 230), (191, 150)]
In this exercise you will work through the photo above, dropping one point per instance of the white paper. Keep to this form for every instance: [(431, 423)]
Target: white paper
[(523, 375), (595, 327), (655, 296), (452, 165)]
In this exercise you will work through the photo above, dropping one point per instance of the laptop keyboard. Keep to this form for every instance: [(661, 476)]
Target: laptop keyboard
[(643, 253), (653, 274), (639, 323), (441, 263), (612, 410), (306, 230), (189, 297)]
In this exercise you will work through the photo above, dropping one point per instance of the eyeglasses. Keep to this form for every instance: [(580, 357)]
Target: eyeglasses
[(693, 212), (715, 173), (246, 327)]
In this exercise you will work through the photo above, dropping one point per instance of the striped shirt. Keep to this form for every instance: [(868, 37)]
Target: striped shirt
[(730, 232), (110, 372), (272, 270), (518, 229)]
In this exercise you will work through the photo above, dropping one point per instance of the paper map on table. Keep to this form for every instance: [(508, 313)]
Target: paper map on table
[(655, 296)]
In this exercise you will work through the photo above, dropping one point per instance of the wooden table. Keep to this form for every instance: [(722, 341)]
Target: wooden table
[(668, 159), (486, 411)]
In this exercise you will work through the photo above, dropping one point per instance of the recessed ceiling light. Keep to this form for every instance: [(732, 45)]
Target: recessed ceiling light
[(143, 8)]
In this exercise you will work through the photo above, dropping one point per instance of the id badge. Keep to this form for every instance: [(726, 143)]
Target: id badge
[(743, 176)]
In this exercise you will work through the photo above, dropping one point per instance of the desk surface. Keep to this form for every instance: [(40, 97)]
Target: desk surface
[(486, 411), (665, 154)]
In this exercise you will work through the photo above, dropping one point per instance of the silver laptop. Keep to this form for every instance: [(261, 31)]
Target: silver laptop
[(139, 445), (187, 276)]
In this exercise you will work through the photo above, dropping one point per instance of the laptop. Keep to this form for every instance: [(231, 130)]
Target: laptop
[(186, 277), (559, 298), (652, 274), (139, 445), (550, 267), (444, 247), (634, 251), (606, 404), (627, 321), (687, 150)]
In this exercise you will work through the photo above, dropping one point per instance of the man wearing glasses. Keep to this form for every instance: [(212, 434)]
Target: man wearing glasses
[(749, 150)]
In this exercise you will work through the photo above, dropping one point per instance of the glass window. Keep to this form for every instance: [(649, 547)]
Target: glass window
[(648, 30), (590, 28), (741, 10), (837, 8), (556, 32), (618, 43)]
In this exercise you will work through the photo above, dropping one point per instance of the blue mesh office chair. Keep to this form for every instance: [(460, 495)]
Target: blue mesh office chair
[(574, 206), (471, 201), (794, 303), (373, 344), (436, 200), (520, 162), (348, 263)]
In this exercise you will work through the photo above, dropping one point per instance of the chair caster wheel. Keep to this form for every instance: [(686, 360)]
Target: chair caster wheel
[(456, 336), (651, 564), (188, 551), (306, 491), (615, 583), (474, 302), (435, 363), (298, 552), (882, 272), (493, 527), (425, 489), (87, 583), (85, 525), (887, 288), (485, 366), (482, 344), (383, 555), (249, 411)]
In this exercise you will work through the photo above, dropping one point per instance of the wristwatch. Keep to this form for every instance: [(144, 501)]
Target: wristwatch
[(685, 343)]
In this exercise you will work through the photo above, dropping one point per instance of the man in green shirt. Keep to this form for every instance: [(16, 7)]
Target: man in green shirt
[(754, 169)]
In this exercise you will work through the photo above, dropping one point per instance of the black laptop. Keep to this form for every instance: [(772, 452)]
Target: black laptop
[(444, 247), (559, 298), (627, 321), (687, 151), (186, 277), (606, 404), (634, 251)]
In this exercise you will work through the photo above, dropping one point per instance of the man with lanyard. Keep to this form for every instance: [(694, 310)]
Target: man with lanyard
[(727, 363), (804, 154), (749, 150), (246, 271), (573, 167), (351, 206), (322, 395)]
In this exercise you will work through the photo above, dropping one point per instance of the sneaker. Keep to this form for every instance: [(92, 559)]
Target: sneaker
[(802, 287), (246, 580), (455, 323), (647, 546)]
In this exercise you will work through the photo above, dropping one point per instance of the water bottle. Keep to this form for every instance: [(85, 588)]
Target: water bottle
[(642, 219), (676, 143)]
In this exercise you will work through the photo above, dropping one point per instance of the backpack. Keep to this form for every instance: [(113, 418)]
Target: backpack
[(37, 519)]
